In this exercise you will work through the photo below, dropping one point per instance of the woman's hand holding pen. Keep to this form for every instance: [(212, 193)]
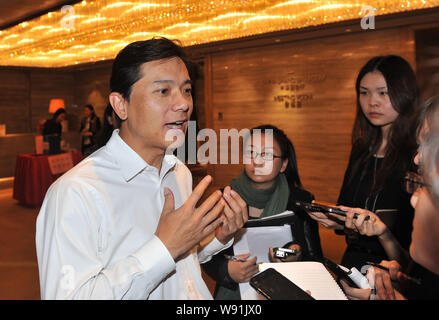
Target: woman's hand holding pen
[(384, 280), (242, 271), (383, 277)]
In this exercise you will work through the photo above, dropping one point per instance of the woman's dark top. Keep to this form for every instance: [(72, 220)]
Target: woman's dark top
[(88, 142), (391, 204), (52, 127), (305, 233)]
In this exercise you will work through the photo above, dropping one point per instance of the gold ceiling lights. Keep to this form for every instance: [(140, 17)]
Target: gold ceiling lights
[(96, 30)]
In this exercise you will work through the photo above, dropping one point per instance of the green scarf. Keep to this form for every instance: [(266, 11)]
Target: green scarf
[(274, 200)]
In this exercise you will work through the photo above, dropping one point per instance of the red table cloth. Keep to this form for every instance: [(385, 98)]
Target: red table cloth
[(33, 177)]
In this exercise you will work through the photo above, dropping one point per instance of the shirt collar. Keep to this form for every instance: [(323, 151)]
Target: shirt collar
[(130, 163)]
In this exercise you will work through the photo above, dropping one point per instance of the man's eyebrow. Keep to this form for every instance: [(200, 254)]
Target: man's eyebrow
[(188, 81)]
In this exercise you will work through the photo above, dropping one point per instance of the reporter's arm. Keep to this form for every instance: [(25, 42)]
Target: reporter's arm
[(374, 226)]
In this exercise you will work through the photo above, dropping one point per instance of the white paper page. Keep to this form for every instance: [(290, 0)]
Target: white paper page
[(285, 213), (257, 241), (312, 276)]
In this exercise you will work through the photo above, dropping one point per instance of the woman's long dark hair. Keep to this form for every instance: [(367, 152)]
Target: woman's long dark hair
[(92, 109), (366, 138), (287, 150)]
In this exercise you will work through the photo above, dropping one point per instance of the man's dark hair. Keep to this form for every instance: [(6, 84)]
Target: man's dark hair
[(126, 67)]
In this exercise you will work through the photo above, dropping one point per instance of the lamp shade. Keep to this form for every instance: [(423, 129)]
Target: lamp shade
[(55, 104)]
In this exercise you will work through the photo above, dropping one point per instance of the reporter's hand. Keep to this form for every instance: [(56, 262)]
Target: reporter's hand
[(242, 271), (326, 220), (374, 226), (355, 293), (291, 258), (383, 281), (180, 230), (234, 217)]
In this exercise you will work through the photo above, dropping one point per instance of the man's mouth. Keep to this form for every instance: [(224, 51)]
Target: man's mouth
[(176, 124)]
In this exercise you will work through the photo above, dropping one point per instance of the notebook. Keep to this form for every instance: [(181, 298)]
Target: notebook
[(257, 242), (309, 275), (274, 220)]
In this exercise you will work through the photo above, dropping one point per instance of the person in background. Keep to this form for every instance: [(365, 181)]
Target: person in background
[(124, 222), (269, 184), (110, 122), (383, 147), (90, 125), (424, 187), (53, 126)]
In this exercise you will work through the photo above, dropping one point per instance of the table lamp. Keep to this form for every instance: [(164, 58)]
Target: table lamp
[(55, 104)]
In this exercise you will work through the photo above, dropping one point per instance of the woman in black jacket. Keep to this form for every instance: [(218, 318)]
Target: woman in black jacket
[(270, 184), (383, 147)]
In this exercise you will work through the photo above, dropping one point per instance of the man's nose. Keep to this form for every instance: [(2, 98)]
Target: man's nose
[(182, 102)]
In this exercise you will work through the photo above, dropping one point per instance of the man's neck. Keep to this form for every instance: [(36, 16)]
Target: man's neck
[(152, 156)]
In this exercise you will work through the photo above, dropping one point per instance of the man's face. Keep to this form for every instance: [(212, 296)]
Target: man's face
[(160, 104)]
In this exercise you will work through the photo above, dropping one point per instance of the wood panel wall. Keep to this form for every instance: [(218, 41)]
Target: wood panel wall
[(25, 95), (92, 87), (305, 88), (244, 85), (15, 100)]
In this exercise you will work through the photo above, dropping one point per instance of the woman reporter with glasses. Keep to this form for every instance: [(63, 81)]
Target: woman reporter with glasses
[(269, 184)]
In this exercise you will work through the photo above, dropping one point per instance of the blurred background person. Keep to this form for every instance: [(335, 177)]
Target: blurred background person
[(90, 125), (110, 122), (53, 125)]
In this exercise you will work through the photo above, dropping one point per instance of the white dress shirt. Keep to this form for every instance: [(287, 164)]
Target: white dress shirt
[(95, 231)]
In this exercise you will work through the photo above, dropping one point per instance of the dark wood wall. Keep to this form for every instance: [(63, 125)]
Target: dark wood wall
[(25, 95)]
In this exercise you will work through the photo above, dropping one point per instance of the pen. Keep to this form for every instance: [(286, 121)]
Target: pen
[(417, 281), (233, 258)]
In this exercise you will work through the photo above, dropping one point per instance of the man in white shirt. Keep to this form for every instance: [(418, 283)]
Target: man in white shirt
[(123, 223)]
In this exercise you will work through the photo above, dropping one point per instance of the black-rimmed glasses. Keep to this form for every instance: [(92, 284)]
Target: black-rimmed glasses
[(413, 181), (266, 156)]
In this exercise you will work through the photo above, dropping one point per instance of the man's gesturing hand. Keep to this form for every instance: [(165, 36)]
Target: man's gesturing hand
[(234, 217), (180, 230)]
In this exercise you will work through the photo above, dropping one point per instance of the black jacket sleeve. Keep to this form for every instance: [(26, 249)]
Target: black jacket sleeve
[(305, 230), (217, 269)]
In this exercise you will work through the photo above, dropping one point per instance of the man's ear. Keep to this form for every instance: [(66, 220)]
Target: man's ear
[(119, 105)]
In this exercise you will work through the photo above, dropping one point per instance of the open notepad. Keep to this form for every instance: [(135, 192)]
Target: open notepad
[(309, 275)]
